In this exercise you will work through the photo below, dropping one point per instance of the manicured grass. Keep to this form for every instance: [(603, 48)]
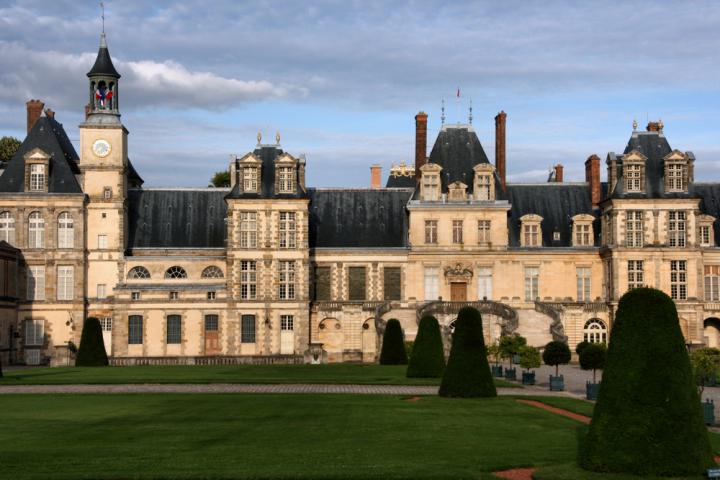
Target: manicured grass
[(337, 373), (274, 436)]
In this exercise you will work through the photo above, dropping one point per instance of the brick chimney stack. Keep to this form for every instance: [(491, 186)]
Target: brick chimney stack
[(592, 177), (500, 147), (49, 113), (34, 110), (420, 142), (375, 176), (559, 173)]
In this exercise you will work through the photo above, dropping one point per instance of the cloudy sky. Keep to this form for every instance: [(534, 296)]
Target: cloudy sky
[(342, 81)]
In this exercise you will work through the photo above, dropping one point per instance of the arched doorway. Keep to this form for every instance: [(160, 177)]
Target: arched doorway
[(711, 332), (595, 331)]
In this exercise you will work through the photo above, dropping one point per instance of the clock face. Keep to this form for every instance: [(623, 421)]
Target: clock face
[(101, 148)]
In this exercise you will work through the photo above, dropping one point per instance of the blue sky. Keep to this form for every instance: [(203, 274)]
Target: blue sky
[(342, 81)]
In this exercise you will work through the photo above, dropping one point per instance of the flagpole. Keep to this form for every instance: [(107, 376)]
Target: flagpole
[(457, 106)]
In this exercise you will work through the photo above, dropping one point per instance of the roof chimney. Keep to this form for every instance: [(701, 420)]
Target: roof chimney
[(49, 113), (420, 142), (500, 147), (654, 127), (592, 177), (34, 110), (559, 173), (375, 176)]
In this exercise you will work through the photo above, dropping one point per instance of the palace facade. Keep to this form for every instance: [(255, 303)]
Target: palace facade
[(271, 270)]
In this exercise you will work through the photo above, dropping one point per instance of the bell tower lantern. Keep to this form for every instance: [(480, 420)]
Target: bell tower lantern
[(103, 83)]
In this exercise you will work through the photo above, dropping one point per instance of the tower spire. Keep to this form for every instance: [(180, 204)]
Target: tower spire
[(102, 15)]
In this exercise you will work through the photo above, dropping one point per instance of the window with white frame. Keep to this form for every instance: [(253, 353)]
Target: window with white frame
[(712, 283), (248, 279), (583, 234), (457, 231), (483, 190), (676, 228), (675, 177), (633, 177), (174, 329), (595, 331), (532, 283), (678, 279), (102, 241), (174, 295), (636, 274), (287, 280), (101, 290), (431, 186), (7, 227), (248, 230), (287, 322), (635, 230), (247, 329), (250, 179), (139, 273), (212, 272), (432, 283), (211, 295), (704, 235), (175, 272), (36, 230), (484, 278), (531, 234), (35, 282), (135, 329), (106, 324), (107, 193), (286, 179), (431, 231), (287, 230), (134, 295), (65, 282), (34, 333), (66, 231), (37, 177), (483, 231), (583, 284)]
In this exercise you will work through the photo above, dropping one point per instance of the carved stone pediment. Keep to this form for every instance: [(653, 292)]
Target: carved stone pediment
[(458, 273)]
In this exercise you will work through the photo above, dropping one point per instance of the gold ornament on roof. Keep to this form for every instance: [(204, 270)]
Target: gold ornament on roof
[(402, 170), (259, 137), (277, 138), (661, 124), (634, 124)]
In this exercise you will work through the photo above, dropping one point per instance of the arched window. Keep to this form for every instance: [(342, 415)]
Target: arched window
[(7, 228), (212, 272), (36, 231), (138, 273), (595, 331), (175, 272), (66, 231)]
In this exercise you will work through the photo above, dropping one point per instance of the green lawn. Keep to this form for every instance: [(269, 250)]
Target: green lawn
[(337, 373)]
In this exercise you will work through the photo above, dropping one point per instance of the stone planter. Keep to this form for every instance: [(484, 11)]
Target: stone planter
[(497, 370), (708, 407), (528, 378), (557, 384), (510, 374), (592, 390)]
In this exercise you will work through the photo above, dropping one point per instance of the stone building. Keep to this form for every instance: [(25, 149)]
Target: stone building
[(271, 270)]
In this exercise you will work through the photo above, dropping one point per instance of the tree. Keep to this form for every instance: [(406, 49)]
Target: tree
[(220, 179), (428, 357), (467, 373), (556, 354), (8, 147), (510, 345), (393, 345), (529, 357), (494, 352), (92, 348), (705, 363), (592, 357), (648, 418), (580, 346)]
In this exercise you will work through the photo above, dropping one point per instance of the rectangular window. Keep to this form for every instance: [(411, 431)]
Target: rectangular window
[(211, 323), (35, 282), (633, 178), (356, 283), (135, 296), (483, 231), (65, 282), (135, 329), (323, 281), (431, 187), (482, 188), (432, 286), (102, 242), (712, 283), (250, 179), (247, 329), (34, 333), (675, 177), (211, 295), (532, 283), (286, 179), (457, 231), (36, 231), (248, 279), (101, 293), (636, 275), (287, 230), (391, 283), (248, 230), (106, 324), (174, 295), (287, 322), (676, 228), (635, 230), (66, 231), (37, 177), (174, 329), (485, 283), (704, 235), (678, 279), (431, 231), (287, 280), (532, 235), (107, 193), (583, 284)]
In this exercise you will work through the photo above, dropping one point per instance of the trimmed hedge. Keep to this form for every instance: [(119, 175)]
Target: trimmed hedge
[(592, 357), (580, 346), (556, 353), (428, 358), (648, 419), (92, 348), (393, 345), (467, 373)]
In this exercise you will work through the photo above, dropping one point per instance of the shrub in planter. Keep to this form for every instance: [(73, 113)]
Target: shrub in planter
[(648, 419), (393, 345), (580, 346), (593, 357), (92, 347), (427, 358), (529, 359), (510, 346), (467, 373), (556, 354)]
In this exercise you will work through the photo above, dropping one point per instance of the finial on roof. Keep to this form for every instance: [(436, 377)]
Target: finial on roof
[(102, 15), (661, 125), (259, 137), (635, 125), (277, 137), (470, 115), (442, 116)]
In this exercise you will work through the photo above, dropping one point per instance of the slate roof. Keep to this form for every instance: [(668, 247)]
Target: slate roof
[(401, 182), (49, 136), (177, 218), (267, 155), (557, 203), (134, 178), (103, 63), (353, 218)]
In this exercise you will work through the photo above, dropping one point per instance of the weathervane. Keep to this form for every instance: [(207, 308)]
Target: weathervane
[(470, 115), (259, 137), (634, 124), (442, 116), (102, 15), (277, 137)]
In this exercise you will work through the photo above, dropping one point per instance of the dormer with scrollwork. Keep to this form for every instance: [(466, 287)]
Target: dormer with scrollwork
[(705, 231), (430, 185), (483, 183), (677, 172), (249, 173), (285, 174), (531, 230), (582, 230), (457, 192), (634, 172), (37, 170)]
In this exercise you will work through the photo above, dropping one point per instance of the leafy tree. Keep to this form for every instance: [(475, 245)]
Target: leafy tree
[(467, 373), (705, 363), (556, 354), (393, 345), (92, 348), (648, 419), (494, 352), (510, 346), (580, 346), (529, 357), (427, 358), (8, 147), (592, 357), (220, 179)]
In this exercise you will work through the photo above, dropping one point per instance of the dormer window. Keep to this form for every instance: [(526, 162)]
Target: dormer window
[(484, 188), (250, 179), (430, 186), (36, 170), (582, 230), (676, 172), (37, 177), (634, 172), (457, 192), (531, 232), (286, 179)]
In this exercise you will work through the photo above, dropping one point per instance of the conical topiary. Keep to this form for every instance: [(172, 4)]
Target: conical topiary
[(648, 419), (92, 348), (393, 345), (467, 373), (428, 358)]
